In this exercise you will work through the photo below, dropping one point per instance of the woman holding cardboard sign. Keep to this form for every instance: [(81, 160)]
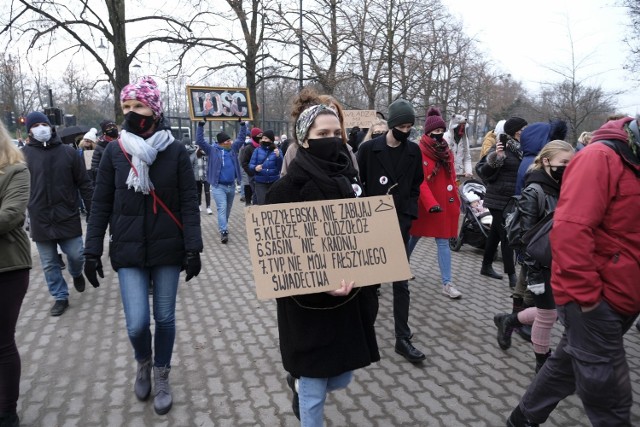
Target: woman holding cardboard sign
[(323, 336)]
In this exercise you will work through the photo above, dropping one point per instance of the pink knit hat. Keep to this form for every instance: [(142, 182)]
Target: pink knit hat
[(146, 91)]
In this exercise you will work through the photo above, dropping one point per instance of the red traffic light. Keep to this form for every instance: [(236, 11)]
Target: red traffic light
[(22, 120)]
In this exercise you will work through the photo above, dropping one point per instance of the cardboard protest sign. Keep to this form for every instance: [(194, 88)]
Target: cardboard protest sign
[(88, 155), (219, 103), (360, 118), (309, 247)]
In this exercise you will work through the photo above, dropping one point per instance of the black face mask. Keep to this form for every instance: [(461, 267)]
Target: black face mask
[(137, 123), (377, 134), (399, 135), (325, 148), (438, 137), (112, 133), (266, 144), (556, 172)]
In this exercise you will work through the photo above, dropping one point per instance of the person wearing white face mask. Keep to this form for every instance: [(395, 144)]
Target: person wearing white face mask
[(58, 177)]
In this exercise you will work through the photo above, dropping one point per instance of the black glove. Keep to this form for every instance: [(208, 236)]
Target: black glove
[(193, 265), (435, 209), (93, 265), (202, 122)]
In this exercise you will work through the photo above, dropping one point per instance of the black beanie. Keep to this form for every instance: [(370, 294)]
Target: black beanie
[(401, 111), (222, 137), (105, 124), (513, 125), (269, 134)]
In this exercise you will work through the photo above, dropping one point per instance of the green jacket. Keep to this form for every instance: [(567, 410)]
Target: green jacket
[(15, 249)]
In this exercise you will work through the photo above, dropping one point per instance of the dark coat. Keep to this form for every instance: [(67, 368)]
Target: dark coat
[(374, 163), (97, 156), (502, 182), (321, 335), (142, 233), (245, 158), (57, 173)]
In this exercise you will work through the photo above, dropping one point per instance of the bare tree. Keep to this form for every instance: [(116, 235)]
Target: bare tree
[(73, 26), (633, 39)]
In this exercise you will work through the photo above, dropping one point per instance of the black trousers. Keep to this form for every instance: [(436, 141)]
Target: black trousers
[(401, 296), (14, 287), (204, 185), (497, 234), (590, 361)]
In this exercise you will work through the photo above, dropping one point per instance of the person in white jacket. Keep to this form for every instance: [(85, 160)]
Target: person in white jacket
[(458, 141)]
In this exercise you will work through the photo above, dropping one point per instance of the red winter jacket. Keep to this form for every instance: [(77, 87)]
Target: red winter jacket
[(595, 241), (440, 190)]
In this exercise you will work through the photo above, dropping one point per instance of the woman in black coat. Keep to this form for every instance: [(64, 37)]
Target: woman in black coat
[(323, 336), (146, 193), (499, 171)]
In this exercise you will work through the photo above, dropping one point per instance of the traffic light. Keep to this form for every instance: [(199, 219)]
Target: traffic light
[(13, 118), (22, 120)]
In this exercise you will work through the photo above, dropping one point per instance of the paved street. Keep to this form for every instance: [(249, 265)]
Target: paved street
[(78, 369)]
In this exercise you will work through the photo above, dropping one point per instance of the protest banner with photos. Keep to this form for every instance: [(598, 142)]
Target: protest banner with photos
[(219, 103), (310, 247)]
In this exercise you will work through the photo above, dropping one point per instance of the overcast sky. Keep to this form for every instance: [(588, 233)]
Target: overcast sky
[(525, 38)]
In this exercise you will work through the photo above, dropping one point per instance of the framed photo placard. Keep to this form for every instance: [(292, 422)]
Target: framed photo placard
[(219, 103)]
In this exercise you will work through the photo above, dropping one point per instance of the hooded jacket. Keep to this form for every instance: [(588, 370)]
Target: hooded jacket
[(217, 155), (532, 139), (57, 173), (460, 149), (595, 241)]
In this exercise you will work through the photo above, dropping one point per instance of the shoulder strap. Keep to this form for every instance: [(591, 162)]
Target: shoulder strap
[(620, 147), (156, 199)]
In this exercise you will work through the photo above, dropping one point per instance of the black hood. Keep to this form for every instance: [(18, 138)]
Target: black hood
[(548, 184)]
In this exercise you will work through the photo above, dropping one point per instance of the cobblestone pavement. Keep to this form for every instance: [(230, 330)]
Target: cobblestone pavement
[(78, 369)]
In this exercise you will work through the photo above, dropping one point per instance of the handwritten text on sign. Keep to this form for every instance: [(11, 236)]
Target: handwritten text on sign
[(303, 248)]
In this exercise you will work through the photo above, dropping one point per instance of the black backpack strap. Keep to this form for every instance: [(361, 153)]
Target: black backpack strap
[(624, 151)]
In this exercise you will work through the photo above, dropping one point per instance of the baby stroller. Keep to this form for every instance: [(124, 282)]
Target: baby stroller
[(475, 228)]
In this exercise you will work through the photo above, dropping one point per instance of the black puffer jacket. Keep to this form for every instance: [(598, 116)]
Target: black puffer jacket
[(499, 180), (142, 233), (97, 156), (57, 173)]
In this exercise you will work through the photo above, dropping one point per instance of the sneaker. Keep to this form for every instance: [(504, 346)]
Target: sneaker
[(59, 307), (209, 211), (224, 237), (451, 291), (78, 283), (200, 208)]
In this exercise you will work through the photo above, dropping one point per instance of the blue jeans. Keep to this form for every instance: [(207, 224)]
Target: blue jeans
[(223, 196), (134, 289), (312, 392), (444, 256), (50, 261)]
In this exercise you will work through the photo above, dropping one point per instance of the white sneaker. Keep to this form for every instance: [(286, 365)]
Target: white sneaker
[(451, 291), (200, 207), (209, 211)]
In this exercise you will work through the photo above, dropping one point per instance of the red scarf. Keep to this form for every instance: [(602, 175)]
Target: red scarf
[(439, 151)]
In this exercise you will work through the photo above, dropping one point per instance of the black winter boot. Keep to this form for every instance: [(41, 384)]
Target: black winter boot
[(505, 323), (142, 387), (517, 419), (540, 359), (162, 401), (487, 270)]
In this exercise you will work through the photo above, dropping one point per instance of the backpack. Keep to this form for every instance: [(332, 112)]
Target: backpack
[(511, 215)]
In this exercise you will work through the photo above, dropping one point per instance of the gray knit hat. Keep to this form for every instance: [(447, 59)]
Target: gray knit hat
[(401, 111)]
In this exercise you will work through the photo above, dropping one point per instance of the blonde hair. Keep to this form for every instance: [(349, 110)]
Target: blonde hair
[(377, 123), (549, 151), (585, 138), (9, 153)]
